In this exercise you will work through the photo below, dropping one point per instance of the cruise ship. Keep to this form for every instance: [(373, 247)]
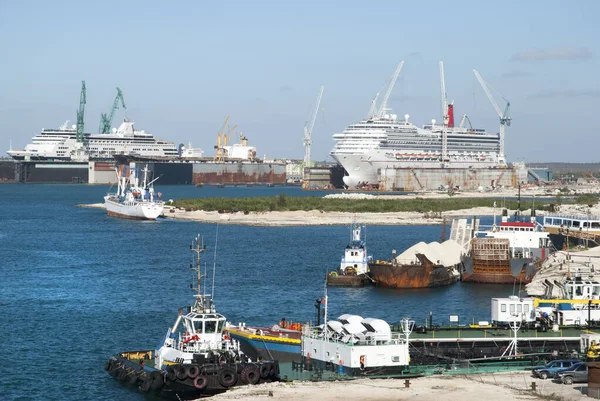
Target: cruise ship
[(61, 144), (382, 140)]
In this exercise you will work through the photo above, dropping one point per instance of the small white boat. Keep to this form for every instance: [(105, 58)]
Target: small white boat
[(354, 266), (132, 201)]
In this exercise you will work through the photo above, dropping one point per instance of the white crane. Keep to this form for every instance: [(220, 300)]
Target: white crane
[(380, 111), (308, 128), (505, 119), (444, 114)]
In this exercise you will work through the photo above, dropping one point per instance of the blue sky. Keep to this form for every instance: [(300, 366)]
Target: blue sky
[(184, 66)]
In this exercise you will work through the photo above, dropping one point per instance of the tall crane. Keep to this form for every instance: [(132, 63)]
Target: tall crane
[(308, 128), (505, 119), (221, 142), (444, 115), (106, 121), (380, 112), (80, 115)]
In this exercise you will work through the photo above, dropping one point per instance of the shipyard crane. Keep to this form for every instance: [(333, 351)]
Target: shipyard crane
[(383, 107), (80, 137), (221, 141), (444, 115), (505, 119), (106, 120), (308, 128)]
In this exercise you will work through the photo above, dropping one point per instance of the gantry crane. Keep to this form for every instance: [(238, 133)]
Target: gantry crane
[(308, 128), (505, 118), (106, 120), (80, 137)]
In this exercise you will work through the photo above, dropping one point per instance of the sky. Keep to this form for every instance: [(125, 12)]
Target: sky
[(184, 66)]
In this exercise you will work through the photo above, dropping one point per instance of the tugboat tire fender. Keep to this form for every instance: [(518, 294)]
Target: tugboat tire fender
[(333, 274), (133, 378), (210, 369), (122, 374), (156, 380), (145, 384), (251, 374), (228, 377), (274, 371), (181, 372), (108, 365), (201, 382), (264, 370), (192, 371), (171, 373)]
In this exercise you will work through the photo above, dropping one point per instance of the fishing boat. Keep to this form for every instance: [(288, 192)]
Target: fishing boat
[(195, 358), (354, 266), (132, 200)]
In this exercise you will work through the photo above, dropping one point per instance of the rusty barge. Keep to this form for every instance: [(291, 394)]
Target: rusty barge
[(421, 274)]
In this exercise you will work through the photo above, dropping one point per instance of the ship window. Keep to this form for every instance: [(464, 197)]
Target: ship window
[(586, 224), (198, 327), (575, 224), (512, 308), (578, 290), (503, 307), (211, 326), (519, 308), (526, 308), (595, 224)]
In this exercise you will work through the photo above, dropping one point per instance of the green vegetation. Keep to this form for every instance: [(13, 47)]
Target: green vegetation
[(289, 203)]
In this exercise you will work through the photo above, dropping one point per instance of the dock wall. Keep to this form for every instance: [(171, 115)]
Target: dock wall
[(238, 173), (419, 179)]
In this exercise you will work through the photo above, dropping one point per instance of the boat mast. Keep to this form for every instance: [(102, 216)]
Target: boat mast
[(198, 248)]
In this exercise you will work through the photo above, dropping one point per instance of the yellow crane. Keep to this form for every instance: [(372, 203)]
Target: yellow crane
[(221, 142)]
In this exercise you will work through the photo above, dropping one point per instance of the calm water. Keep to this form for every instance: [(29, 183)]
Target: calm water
[(78, 286)]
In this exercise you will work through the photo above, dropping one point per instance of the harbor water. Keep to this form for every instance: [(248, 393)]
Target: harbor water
[(78, 286)]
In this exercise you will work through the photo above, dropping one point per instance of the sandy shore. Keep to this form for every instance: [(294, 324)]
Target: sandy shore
[(489, 387), (315, 217)]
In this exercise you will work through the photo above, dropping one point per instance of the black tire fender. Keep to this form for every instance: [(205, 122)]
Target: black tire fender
[(181, 372), (251, 374), (201, 382), (192, 371), (227, 377), (145, 384), (171, 373), (108, 365), (274, 371), (264, 370), (157, 380), (133, 378)]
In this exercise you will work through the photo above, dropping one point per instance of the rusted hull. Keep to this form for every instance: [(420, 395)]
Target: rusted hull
[(423, 275), (519, 271), (347, 281)]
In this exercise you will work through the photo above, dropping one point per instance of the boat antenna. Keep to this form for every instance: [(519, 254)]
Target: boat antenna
[(198, 248), (215, 263)]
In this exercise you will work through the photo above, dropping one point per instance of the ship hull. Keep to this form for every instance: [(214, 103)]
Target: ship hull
[(426, 274), (135, 211), (348, 281), (282, 346), (518, 270)]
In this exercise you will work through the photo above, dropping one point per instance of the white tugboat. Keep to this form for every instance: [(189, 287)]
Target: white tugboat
[(132, 201), (354, 267), (195, 358)]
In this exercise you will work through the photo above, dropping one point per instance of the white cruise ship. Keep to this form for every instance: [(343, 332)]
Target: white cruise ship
[(61, 144), (384, 141)]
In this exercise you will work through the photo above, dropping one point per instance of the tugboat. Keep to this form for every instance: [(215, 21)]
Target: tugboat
[(132, 201), (195, 357), (354, 267)]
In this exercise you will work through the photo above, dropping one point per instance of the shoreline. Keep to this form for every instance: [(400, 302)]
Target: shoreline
[(316, 217), (504, 386)]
